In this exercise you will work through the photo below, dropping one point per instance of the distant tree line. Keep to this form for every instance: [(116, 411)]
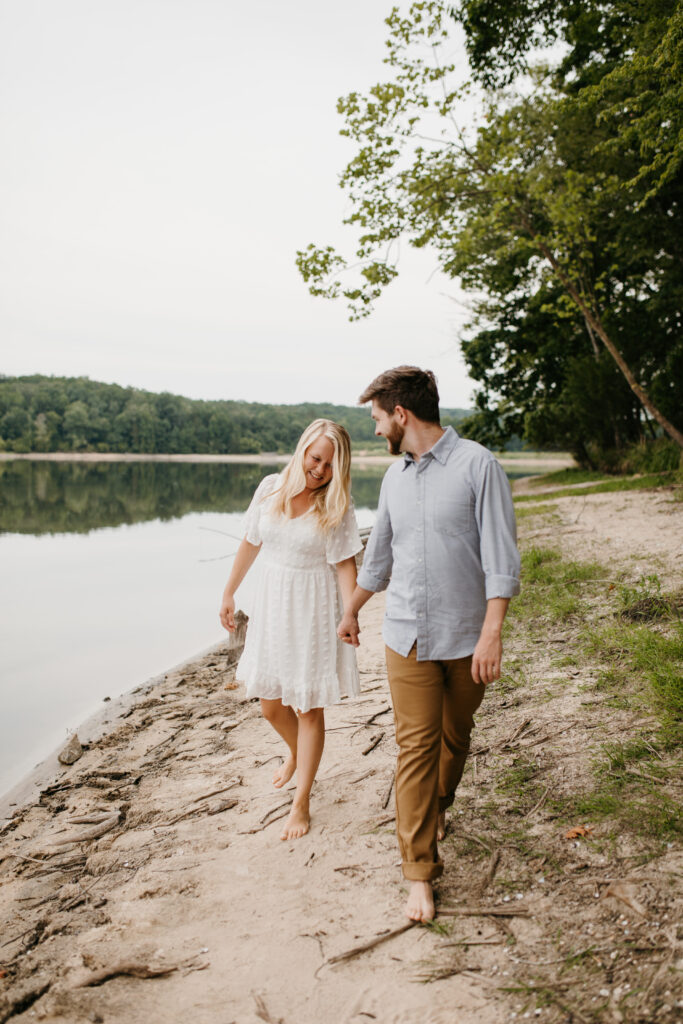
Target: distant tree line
[(75, 414)]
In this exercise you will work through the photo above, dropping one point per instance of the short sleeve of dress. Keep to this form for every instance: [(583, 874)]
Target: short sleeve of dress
[(251, 525), (344, 540)]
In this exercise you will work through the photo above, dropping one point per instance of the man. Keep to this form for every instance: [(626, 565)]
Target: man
[(444, 543)]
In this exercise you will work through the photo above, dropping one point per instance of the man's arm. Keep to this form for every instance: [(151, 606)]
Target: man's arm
[(501, 565)]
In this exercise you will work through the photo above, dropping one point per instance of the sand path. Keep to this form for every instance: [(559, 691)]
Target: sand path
[(190, 877), (249, 920)]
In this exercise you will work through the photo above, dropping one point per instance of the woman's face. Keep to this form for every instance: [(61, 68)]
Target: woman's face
[(318, 463)]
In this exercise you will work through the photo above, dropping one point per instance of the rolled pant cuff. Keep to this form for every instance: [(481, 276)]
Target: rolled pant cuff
[(421, 871)]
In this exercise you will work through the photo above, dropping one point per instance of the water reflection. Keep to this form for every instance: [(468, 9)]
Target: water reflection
[(76, 497)]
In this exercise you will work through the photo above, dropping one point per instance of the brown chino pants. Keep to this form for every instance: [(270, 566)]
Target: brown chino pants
[(434, 704)]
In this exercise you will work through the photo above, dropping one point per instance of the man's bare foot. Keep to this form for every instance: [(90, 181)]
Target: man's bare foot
[(441, 827), (420, 905), (284, 773), (297, 824)]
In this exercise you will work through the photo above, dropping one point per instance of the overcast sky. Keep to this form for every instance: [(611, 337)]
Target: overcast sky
[(162, 161)]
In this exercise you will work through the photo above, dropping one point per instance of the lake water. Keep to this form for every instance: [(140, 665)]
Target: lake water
[(111, 573)]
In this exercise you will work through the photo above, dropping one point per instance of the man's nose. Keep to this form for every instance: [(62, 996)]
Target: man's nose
[(377, 431)]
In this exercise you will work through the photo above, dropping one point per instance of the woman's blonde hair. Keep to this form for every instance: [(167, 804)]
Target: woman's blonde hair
[(331, 501)]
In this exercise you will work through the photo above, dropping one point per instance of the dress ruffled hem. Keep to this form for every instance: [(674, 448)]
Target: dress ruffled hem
[(327, 691)]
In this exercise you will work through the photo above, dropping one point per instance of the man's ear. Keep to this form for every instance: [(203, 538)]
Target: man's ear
[(401, 415)]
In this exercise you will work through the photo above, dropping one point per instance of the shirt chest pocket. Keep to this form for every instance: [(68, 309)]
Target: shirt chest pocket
[(453, 514)]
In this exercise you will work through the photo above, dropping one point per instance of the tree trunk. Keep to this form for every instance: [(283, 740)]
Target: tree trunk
[(593, 321)]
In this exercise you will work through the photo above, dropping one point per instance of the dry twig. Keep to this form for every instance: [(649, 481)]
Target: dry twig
[(262, 1011), (377, 941), (518, 911), (373, 743)]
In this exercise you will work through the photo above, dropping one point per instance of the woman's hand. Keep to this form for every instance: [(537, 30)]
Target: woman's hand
[(348, 629), (227, 612)]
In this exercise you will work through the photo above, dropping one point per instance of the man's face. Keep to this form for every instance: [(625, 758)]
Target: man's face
[(386, 425)]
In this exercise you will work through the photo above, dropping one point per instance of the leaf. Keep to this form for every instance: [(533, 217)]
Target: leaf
[(578, 831)]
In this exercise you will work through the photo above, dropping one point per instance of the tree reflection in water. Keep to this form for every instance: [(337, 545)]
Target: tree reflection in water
[(76, 497)]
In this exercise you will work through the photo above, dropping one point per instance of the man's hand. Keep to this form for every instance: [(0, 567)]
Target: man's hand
[(348, 629), (487, 657)]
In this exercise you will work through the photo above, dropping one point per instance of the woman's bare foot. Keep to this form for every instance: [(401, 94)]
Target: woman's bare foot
[(298, 822), (441, 827), (284, 773), (420, 905)]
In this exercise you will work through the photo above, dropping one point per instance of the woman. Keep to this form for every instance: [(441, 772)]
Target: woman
[(302, 521)]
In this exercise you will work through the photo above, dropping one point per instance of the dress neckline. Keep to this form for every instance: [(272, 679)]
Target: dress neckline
[(300, 516)]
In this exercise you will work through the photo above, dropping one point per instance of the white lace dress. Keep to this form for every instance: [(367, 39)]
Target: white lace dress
[(292, 651)]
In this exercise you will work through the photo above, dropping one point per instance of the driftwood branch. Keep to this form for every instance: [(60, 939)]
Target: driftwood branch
[(133, 970), (91, 833)]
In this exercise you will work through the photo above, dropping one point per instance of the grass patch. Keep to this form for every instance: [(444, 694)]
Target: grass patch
[(645, 601), (621, 756), (636, 654), (653, 815), (547, 509), (564, 477), (631, 483), (552, 587), (515, 779), (636, 659), (514, 678)]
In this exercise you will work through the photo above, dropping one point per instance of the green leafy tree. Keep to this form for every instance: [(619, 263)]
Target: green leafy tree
[(545, 208)]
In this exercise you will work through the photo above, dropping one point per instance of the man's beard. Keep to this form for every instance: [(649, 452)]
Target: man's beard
[(394, 439)]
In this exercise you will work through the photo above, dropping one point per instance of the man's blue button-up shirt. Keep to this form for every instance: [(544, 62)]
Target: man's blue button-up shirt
[(443, 543)]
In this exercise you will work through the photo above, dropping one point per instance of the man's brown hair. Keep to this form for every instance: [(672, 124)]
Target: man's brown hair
[(408, 386)]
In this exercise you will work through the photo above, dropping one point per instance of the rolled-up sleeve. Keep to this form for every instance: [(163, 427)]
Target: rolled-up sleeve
[(498, 532), (375, 573)]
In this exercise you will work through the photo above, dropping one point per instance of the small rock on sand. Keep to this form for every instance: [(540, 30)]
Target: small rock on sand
[(72, 751)]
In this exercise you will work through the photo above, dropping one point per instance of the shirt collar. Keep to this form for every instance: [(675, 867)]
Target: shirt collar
[(439, 451)]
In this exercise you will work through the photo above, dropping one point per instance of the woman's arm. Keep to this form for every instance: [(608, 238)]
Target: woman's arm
[(244, 559), (346, 573)]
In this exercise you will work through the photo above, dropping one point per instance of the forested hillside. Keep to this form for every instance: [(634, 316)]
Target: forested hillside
[(75, 414)]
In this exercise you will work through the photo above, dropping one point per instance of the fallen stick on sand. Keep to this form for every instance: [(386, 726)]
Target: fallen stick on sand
[(91, 833), (133, 970), (490, 873), (260, 828), (377, 941), (262, 1011), (215, 792), (483, 912), (373, 743)]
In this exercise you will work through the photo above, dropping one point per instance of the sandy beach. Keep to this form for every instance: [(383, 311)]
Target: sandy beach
[(147, 881)]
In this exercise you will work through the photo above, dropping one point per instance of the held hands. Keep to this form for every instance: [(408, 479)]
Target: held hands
[(227, 613), (487, 657), (348, 629)]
